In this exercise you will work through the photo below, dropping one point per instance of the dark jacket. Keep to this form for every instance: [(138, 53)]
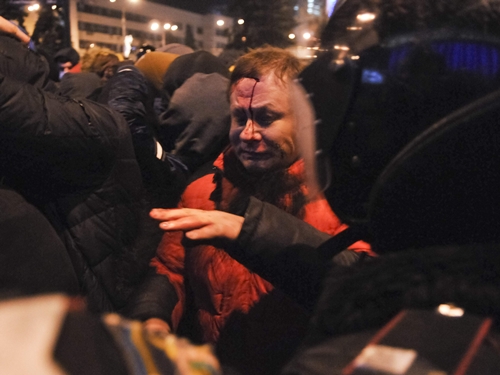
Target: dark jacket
[(74, 160), (128, 92), (32, 258)]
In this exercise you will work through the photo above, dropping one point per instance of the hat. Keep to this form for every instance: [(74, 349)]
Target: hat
[(154, 65), (67, 54)]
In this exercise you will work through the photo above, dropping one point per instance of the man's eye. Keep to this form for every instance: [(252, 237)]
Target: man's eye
[(241, 120), (266, 120)]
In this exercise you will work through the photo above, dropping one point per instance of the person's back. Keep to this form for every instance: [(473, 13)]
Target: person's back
[(74, 160)]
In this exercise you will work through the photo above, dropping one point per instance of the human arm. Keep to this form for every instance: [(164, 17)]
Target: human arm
[(269, 241), (9, 28), (53, 140)]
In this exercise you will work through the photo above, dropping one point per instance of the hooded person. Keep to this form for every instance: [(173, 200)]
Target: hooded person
[(178, 72), (198, 120), (67, 60)]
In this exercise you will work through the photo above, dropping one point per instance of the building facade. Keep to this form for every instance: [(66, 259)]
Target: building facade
[(102, 23)]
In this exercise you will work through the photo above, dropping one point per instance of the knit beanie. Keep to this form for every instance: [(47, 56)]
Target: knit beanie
[(154, 65)]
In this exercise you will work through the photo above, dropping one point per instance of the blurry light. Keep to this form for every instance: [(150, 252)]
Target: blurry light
[(450, 310), (365, 17), (220, 23), (241, 21), (167, 26), (92, 45), (291, 36), (54, 7), (243, 38), (34, 7), (342, 48), (134, 1), (155, 26), (174, 27), (307, 36), (354, 28), (112, 1), (355, 57), (127, 45)]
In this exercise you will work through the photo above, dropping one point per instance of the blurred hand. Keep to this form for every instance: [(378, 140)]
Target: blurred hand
[(8, 27), (156, 327), (199, 224)]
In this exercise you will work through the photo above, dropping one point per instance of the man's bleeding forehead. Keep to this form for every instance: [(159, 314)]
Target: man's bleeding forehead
[(245, 86)]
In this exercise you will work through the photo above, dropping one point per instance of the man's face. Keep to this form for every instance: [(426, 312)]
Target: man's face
[(262, 124), (64, 67)]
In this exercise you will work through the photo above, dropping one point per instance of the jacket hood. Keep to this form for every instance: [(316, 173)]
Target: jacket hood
[(186, 66), (197, 120)]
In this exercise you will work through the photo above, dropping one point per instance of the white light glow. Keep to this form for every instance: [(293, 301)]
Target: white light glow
[(155, 26), (34, 7), (306, 36), (167, 26), (342, 48), (112, 1), (220, 23), (291, 36), (54, 7), (365, 17), (174, 27), (241, 21), (450, 310), (92, 45)]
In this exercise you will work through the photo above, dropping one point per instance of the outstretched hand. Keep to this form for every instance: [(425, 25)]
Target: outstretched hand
[(199, 224), (8, 27)]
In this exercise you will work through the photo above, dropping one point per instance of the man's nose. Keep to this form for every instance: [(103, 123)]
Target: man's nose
[(251, 131)]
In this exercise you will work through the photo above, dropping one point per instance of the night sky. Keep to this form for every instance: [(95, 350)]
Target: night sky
[(198, 6)]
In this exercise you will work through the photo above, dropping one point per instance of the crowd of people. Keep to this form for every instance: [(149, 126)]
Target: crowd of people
[(169, 214)]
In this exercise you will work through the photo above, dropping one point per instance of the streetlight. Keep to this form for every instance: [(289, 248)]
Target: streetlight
[(126, 41), (34, 7)]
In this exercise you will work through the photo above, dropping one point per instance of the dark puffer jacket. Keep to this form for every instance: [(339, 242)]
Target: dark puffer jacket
[(75, 161)]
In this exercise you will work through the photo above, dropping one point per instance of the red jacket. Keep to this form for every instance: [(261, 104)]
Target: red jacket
[(224, 290)]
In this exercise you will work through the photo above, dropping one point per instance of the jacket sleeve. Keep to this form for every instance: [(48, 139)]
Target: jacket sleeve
[(284, 250), (54, 139)]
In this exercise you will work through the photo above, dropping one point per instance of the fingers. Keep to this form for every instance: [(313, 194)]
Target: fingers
[(199, 224), (9, 28), (156, 326), (173, 213)]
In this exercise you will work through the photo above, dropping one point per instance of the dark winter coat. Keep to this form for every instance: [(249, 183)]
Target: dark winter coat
[(74, 160)]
